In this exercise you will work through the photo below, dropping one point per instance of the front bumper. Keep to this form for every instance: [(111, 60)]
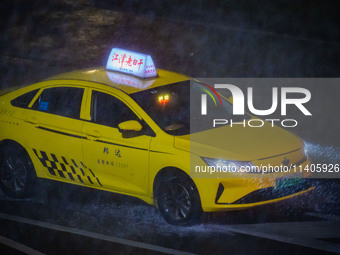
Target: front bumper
[(241, 193)]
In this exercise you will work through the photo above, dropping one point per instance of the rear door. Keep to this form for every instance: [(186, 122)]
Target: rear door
[(54, 132)]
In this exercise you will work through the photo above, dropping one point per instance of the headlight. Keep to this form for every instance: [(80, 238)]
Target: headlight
[(230, 166)]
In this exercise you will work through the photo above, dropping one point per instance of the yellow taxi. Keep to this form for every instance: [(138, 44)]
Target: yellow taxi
[(125, 128)]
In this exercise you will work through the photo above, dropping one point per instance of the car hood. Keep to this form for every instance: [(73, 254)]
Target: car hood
[(240, 143)]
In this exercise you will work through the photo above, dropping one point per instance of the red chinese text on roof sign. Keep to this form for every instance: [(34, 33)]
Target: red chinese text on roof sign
[(131, 62)]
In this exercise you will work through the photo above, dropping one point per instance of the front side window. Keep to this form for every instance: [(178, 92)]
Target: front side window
[(109, 111), (63, 101)]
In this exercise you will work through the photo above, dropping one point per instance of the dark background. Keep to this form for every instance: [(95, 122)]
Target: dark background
[(199, 38)]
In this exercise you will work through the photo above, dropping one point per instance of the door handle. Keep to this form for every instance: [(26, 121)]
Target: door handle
[(93, 133)]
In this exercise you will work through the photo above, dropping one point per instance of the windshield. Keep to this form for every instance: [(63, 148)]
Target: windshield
[(176, 108)]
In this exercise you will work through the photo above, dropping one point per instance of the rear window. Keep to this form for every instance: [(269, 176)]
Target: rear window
[(62, 101), (24, 100)]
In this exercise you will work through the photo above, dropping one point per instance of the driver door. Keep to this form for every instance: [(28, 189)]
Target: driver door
[(120, 164)]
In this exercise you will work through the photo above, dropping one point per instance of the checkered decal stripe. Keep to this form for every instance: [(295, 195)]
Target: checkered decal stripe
[(67, 168)]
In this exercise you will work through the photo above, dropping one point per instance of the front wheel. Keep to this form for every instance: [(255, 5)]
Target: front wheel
[(16, 172), (178, 199)]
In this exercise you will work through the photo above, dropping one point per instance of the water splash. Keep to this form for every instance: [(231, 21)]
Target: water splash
[(323, 153)]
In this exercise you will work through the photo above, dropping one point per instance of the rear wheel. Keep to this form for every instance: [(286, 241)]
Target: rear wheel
[(178, 199), (16, 172)]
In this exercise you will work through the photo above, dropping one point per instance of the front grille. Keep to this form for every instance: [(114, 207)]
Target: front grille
[(270, 193)]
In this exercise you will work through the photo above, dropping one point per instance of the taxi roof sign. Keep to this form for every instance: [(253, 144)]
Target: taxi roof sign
[(130, 62)]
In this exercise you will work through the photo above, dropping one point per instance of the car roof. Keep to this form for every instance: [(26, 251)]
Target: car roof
[(127, 83)]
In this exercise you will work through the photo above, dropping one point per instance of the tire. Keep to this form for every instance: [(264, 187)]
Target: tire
[(17, 174), (178, 199)]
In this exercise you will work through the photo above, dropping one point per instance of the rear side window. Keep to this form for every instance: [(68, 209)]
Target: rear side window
[(24, 100), (109, 111), (62, 101)]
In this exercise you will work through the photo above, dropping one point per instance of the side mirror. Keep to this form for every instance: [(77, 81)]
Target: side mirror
[(130, 128)]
